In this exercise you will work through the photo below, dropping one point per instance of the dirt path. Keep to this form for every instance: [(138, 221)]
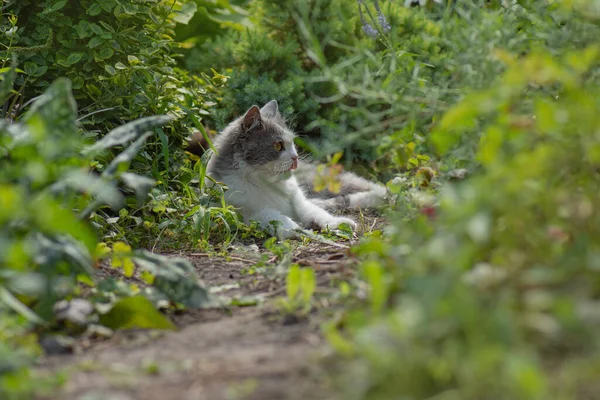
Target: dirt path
[(251, 352)]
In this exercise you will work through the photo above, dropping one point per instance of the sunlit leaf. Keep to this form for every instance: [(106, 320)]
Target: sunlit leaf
[(135, 313)]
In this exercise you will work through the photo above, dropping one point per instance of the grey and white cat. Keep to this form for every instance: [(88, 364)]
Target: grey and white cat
[(255, 159)]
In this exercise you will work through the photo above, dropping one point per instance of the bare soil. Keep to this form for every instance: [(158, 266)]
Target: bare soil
[(253, 352)]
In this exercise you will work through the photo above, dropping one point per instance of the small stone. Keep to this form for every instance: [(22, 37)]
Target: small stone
[(55, 344), (76, 311)]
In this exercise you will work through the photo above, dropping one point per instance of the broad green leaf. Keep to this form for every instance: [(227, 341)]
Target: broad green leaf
[(54, 113), (49, 216), (95, 42), (292, 282), (121, 258), (110, 69), (30, 68), (133, 60), (7, 80), (308, 284), (378, 293), (135, 313), (106, 192), (186, 13), (128, 132), (59, 5), (94, 9), (176, 279), (63, 248), (140, 184), (11, 301), (106, 53), (74, 58)]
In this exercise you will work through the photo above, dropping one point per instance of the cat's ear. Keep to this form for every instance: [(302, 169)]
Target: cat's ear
[(271, 109), (251, 119)]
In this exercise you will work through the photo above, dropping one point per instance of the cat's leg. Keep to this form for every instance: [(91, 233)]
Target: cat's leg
[(309, 212), (370, 199), (285, 227)]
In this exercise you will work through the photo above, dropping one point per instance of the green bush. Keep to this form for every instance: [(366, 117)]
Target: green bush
[(119, 55), (376, 99), (269, 60), (121, 59), (49, 249), (493, 293)]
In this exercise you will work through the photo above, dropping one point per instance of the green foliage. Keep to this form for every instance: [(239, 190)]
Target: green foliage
[(203, 19), (135, 312), (300, 286), (493, 297), (47, 245), (377, 99), (121, 59)]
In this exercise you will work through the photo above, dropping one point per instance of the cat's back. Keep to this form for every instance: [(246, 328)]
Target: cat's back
[(222, 162)]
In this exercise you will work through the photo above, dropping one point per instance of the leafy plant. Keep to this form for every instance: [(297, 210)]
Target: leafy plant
[(47, 245), (489, 298), (300, 287)]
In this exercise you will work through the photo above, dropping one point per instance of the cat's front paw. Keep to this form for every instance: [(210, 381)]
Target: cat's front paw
[(335, 222)]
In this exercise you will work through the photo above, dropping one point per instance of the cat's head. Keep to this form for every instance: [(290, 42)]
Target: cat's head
[(266, 143)]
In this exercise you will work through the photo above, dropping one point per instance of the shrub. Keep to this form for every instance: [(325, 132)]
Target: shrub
[(377, 99), (119, 55), (48, 248), (492, 294)]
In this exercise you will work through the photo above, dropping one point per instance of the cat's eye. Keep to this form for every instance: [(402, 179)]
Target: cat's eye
[(278, 146)]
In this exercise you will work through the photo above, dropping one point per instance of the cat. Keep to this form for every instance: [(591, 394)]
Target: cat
[(257, 160)]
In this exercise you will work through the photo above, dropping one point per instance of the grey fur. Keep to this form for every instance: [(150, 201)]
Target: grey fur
[(355, 191), (250, 139)]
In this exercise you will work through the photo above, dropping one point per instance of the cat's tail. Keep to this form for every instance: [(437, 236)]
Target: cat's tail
[(355, 192), (197, 143)]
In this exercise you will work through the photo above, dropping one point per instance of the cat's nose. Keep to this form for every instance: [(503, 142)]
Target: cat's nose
[(294, 162)]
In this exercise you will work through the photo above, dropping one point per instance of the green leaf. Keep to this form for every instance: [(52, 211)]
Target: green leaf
[(59, 5), (107, 5), (135, 312), (175, 278), (66, 248), (42, 69), (74, 58), (308, 284), (125, 158), (54, 115), (105, 191), (8, 76), (378, 293), (93, 89), (121, 258), (94, 9), (292, 282), (97, 29), (164, 140), (128, 132), (110, 69), (140, 184), (106, 53), (133, 60), (186, 13), (30, 68), (11, 301), (95, 42)]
